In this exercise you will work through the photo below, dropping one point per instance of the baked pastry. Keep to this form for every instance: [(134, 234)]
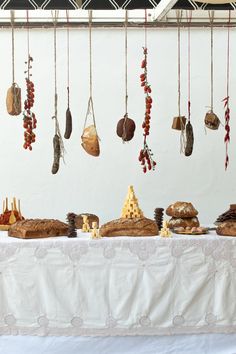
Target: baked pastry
[(227, 228), (183, 222), (91, 219), (38, 228), (130, 227), (181, 210)]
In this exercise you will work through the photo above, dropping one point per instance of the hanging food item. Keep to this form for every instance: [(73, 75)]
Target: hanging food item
[(29, 119), (146, 155), (211, 119), (13, 99), (58, 146), (179, 122), (226, 101), (90, 139), (189, 129), (68, 129), (126, 126)]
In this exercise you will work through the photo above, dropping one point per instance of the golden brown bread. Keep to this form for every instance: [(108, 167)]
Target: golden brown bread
[(130, 227), (91, 218), (227, 228), (183, 222), (181, 210), (38, 228)]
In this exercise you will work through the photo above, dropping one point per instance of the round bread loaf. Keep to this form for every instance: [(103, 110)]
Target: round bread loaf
[(227, 228), (183, 222), (181, 210)]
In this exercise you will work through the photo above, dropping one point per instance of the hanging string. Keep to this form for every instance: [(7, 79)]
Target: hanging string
[(228, 54), (57, 127), (126, 64), (179, 73), (211, 16), (145, 29), (90, 108), (28, 39), (189, 65), (13, 45), (90, 53), (226, 99), (68, 59)]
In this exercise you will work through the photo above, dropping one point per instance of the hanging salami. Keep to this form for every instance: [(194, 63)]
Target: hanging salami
[(68, 129), (179, 122), (58, 146), (189, 128)]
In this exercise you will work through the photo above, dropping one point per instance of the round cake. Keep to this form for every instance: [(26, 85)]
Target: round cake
[(183, 222), (181, 210)]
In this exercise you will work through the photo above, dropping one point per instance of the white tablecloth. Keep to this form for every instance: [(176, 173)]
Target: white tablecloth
[(118, 286)]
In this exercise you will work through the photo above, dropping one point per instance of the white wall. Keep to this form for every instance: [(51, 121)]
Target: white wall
[(99, 185)]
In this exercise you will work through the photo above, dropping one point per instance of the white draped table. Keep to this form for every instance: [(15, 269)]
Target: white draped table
[(117, 286)]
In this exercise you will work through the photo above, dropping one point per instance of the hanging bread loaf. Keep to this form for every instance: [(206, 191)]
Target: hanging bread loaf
[(13, 100), (125, 128), (90, 141)]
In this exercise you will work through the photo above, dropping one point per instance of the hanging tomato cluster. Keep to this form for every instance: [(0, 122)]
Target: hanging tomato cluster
[(29, 119), (145, 155)]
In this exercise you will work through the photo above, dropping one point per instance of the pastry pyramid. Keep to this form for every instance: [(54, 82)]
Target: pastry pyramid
[(131, 207)]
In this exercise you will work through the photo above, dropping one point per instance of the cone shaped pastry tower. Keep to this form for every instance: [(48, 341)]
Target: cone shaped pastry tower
[(131, 207)]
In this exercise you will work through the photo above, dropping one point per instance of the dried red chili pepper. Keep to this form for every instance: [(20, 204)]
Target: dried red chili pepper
[(146, 155)]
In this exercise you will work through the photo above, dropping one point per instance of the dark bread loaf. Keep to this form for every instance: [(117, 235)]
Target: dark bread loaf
[(38, 228), (129, 227)]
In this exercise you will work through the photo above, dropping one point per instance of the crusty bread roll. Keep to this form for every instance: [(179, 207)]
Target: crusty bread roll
[(227, 228), (183, 222), (181, 210), (38, 228), (130, 227)]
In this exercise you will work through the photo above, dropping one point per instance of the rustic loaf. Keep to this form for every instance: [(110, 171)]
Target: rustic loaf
[(183, 222), (181, 210), (227, 228), (38, 228), (91, 219), (130, 227)]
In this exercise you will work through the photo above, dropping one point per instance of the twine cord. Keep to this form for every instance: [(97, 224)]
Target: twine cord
[(68, 58), (126, 64), (13, 45), (179, 72), (211, 15), (189, 66), (90, 54)]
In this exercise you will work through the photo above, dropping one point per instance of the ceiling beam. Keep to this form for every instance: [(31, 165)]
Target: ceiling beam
[(163, 8)]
